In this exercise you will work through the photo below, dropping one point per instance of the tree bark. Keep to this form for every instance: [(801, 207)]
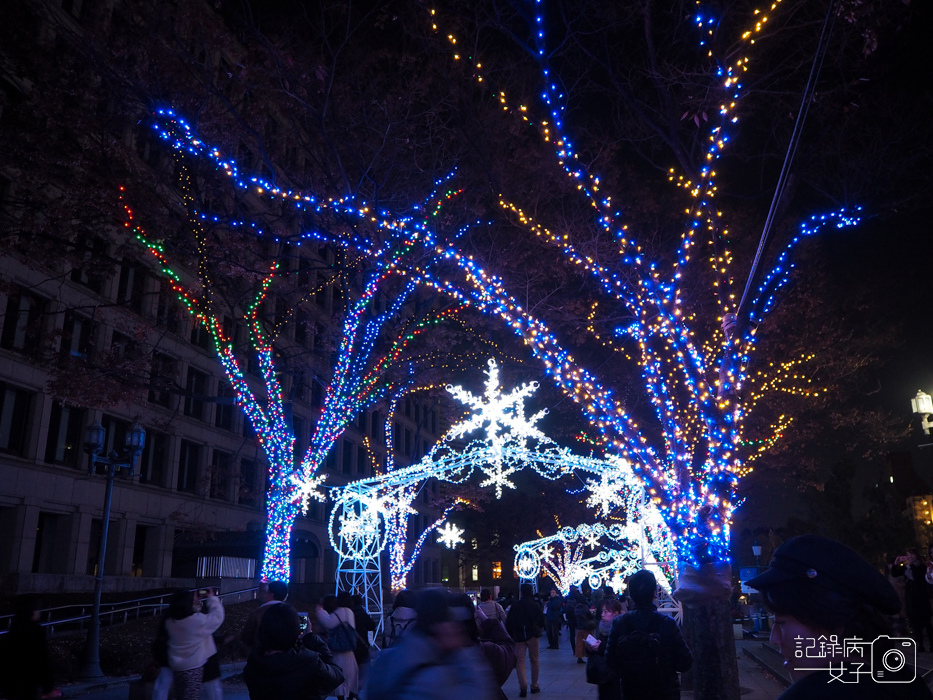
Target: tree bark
[(707, 628)]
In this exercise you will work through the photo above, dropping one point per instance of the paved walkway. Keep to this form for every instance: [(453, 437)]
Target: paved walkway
[(561, 677)]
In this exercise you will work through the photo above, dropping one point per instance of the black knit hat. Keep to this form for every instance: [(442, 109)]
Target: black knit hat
[(832, 565)]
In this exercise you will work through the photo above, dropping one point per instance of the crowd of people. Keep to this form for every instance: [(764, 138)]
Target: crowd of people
[(438, 644)]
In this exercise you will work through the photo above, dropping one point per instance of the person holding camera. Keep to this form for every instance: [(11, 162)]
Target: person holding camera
[(820, 590), (284, 667), (190, 635)]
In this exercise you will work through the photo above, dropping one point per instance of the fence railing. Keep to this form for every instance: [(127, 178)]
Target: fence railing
[(75, 617)]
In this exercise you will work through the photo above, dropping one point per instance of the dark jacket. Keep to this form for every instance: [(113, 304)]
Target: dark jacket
[(674, 655), (554, 609), (296, 674), (498, 648), (586, 618), (916, 590), (525, 619)]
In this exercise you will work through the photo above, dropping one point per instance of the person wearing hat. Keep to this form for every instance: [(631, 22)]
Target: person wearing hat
[(818, 587)]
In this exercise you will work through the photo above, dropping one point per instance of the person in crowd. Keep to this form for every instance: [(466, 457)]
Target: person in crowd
[(270, 593), (525, 622), (283, 668), (570, 617), (816, 586), (333, 612), (645, 648), (597, 670), (25, 669), (494, 642), (586, 624), (402, 618), (190, 639), (433, 661), (211, 687), (916, 595), (490, 607), (554, 618), (364, 625)]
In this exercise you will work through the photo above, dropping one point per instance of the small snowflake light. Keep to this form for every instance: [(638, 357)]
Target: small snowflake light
[(450, 535)]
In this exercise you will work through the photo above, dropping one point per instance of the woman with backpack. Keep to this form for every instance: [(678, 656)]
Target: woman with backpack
[(336, 616)]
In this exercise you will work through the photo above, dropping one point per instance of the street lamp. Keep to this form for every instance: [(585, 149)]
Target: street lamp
[(95, 437), (922, 404)]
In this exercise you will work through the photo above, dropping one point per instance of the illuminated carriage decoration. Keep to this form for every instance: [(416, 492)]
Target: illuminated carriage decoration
[(508, 441)]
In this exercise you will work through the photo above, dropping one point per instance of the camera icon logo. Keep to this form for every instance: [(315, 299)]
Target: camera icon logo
[(893, 659)]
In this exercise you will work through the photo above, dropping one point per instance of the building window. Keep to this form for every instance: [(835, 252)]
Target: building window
[(220, 474), (348, 457), (88, 272), (131, 287), (195, 392), (116, 433), (200, 336), (248, 492), (474, 573), (161, 380), (14, 414), (168, 312), (77, 336), (188, 460), (497, 569), (22, 323), (154, 458), (65, 428), (223, 413), (362, 463)]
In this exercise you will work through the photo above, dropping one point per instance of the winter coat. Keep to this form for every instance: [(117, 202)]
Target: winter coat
[(296, 674), (493, 610), (415, 669), (674, 656), (554, 609), (525, 619), (346, 660), (586, 618), (190, 640), (498, 648)]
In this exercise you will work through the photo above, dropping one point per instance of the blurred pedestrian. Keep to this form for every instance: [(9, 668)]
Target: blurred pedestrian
[(402, 618), (283, 668), (818, 588), (587, 620), (489, 635), (433, 661)]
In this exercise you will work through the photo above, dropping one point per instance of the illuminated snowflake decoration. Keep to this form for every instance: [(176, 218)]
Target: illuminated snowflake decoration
[(308, 489), (606, 493), (450, 535), (502, 419)]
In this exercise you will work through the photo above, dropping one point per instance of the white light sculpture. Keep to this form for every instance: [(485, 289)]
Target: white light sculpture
[(564, 558), (450, 535), (509, 441)]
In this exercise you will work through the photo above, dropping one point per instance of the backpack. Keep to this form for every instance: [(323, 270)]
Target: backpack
[(396, 630), (341, 638), (636, 655)]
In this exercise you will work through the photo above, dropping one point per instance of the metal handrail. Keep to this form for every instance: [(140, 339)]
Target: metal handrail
[(131, 609)]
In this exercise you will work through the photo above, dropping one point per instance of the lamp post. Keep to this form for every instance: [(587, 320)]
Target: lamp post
[(922, 405), (756, 550), (94, 439)]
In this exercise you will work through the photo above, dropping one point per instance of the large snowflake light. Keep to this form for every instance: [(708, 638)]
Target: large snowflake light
[(606, 492), (502, 418), (450, 535)]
